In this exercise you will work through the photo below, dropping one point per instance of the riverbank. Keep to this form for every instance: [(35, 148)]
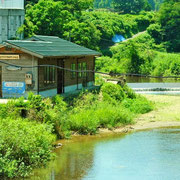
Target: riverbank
[(166, 114)]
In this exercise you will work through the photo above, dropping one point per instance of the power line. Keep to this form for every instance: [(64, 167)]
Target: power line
[(90, 71)]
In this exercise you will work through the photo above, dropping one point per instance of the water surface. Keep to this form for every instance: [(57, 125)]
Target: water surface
[(146, 155)]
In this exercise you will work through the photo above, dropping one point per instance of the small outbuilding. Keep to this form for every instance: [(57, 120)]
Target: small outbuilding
[(35, 70)]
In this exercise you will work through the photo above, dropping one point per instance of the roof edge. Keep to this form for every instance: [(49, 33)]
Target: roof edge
[(25, 50)]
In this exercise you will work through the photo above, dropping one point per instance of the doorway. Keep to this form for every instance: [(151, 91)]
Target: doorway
[(60, 77)]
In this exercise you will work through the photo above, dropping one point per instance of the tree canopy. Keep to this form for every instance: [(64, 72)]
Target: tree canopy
[(131, 6), (169, 19)]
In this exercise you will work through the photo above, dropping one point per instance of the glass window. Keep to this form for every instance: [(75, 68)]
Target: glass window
[(49, 75), (84, 68), (79, 69), (73, 72)]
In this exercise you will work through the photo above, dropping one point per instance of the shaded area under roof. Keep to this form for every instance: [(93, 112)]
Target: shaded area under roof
[(52, 46)]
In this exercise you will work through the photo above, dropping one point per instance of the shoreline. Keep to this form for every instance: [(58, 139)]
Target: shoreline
[(165, 115)]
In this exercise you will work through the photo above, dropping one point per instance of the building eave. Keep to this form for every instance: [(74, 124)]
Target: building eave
[(25, 50)]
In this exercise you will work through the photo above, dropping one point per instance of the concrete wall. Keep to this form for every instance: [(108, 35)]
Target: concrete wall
[(12, 4), (10, 21)]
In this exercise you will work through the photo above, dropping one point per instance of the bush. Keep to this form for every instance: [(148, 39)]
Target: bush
[(23, 145), (113, 116), (84, 122), (105, 115), (140, 105), (129, 92), (112, 93)]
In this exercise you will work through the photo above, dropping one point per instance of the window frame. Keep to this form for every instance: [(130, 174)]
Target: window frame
[(49, 75)]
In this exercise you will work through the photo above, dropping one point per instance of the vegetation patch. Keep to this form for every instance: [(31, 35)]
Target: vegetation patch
[(24, 145), (29, 128)]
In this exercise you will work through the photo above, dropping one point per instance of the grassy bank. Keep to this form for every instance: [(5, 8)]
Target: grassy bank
[(28, 129)]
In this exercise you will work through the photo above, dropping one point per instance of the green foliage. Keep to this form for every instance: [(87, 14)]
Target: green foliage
[(99, 80), (112, 93), (84, 101), (156, 32), (113, 116), (141, 55), (166, 64), (155, 4), (23, 145), (170, 24), (139, 105), (84, 122), (103, 3), (83, 33), (129, 92), (104, 115), (131, 6), (67, 20), (26, 139)]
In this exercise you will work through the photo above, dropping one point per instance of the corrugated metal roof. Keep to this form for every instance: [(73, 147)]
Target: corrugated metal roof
[(49, 46)]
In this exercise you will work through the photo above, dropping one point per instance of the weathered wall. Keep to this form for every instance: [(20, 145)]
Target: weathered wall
[(76, 83), (48, 61), (70, 84), (19, 75), (10, 21)]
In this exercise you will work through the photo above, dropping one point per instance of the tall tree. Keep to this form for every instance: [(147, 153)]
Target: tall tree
[(55, 18), (169, 19), (131, 6)]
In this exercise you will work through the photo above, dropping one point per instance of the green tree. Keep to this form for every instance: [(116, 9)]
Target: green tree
[(131, 6), (32, 2), (170, 23), (77, 5), (47, 17), (83, 33), (73, 4)]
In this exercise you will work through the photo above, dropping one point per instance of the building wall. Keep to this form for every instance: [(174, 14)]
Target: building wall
[(77, 83), (10, 21), (70, 84), (42, 85), (18, 76), (38, 86), (12, 4)]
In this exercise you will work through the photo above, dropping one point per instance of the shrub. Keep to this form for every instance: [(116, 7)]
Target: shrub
[(113, 116), (23, 145), (84, 122), (140, 105), (129, 92), (84, 101), (104, 115), (112, 93)]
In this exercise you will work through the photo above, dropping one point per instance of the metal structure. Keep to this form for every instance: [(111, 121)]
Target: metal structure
[(11, 18)]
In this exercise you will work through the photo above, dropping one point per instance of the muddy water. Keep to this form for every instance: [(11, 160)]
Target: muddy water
[(146, 155)]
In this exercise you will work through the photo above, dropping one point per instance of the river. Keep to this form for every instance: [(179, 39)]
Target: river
[(144, 155)]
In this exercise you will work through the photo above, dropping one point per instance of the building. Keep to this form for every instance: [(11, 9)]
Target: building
[(11, 18), (36, 54)]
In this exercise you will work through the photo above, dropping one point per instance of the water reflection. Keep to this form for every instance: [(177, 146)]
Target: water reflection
[(147, 155)]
